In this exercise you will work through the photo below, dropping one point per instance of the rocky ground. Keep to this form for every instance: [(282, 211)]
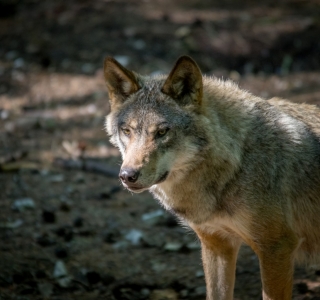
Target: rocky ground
[(68, 229)]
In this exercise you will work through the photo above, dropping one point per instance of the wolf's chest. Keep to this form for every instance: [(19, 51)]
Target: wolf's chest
[(192, 206)]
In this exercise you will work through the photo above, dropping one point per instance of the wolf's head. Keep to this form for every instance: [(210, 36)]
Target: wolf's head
[(155, 122)]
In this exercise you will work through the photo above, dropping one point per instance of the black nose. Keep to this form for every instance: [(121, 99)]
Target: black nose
[(129, 175)]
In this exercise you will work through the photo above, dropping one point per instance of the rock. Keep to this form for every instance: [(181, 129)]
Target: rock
[(60, 273), (134, 236), (173, 246), (183, 31), (154, 217), (19, 63), (145, 292), (60, 269), (199, 273), (194, 245), (57, 178), (200, 291), (167, 294), (139, 44), (4, 114), (11, 225), (23, 204)]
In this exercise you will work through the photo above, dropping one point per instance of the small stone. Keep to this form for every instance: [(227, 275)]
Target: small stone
[(19, 63), (61, 274), (194, 246), (182, 31), (139, 44), (11, 225), (23, 204), (57, 178), (4, 114), (153, 217), (134, 236), (145, 292), (200, 291), (60, 269), (199, 273), (173, 246)]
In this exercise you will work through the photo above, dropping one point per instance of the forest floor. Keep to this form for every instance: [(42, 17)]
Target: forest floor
[(68, 229)]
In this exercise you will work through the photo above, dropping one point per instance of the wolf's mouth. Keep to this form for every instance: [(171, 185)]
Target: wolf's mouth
[(139, 189), (163, 177)]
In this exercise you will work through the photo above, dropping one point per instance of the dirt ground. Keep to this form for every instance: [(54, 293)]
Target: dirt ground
[(68, 229)]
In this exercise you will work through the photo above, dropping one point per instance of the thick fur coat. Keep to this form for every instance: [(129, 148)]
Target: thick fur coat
[(236, 168)]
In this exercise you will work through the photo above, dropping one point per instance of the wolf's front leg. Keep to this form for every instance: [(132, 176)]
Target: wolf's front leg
[(277, 267), (219, 255)]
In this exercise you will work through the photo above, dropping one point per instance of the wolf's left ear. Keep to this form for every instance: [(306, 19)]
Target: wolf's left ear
[(121, 82), (184, 82)]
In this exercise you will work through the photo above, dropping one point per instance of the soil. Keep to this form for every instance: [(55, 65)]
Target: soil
[(68, 229)]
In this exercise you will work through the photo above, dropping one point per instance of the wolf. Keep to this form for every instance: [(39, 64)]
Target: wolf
[(235, 167)]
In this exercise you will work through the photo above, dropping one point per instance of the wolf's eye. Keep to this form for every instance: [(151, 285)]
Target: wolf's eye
[(162, 132), (126, 131)]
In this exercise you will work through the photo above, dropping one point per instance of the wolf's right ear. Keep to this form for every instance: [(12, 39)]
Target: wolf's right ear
[(121, 82)]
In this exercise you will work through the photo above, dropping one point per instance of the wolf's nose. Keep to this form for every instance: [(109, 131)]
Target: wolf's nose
[(129, 175)]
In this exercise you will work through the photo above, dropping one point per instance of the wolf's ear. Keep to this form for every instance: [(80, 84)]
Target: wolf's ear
[(184, 82), (121, 83)]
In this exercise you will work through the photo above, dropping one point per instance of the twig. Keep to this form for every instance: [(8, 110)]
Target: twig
[(86, 165)]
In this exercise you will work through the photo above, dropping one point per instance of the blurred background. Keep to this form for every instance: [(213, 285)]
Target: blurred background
[(68, 229)]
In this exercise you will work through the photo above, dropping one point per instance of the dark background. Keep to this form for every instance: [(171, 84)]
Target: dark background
[(68, 229)]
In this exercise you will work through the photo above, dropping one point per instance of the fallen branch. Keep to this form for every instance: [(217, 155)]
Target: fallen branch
[(86, 165)]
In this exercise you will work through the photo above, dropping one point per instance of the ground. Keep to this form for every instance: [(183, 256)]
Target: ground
[(68, 229)]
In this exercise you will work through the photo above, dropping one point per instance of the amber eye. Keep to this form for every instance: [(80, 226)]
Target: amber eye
[(162, 132), (126, 131)]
